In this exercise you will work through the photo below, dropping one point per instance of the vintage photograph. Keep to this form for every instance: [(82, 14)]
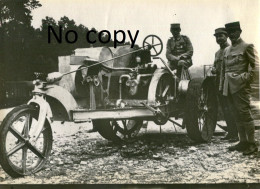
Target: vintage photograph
[(129, 92)]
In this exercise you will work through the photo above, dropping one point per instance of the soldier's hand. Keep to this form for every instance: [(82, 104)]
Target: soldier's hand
[(183, 63), (213, 70), (183, 57), (178, 58), (246, 77)]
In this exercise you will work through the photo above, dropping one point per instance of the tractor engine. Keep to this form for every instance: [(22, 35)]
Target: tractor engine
[(105, 75)]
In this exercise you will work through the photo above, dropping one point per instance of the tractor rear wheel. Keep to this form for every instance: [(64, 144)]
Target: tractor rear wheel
[(118, 130), (200, 116)]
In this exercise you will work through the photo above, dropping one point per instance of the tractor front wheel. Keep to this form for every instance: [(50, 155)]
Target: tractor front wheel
[(18, 155)]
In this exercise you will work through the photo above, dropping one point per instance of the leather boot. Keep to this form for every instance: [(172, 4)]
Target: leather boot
[(241, 131), (250, 131), (240, 147), (230, 137), (252, 148)]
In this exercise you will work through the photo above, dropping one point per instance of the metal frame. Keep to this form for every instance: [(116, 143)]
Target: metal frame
[(117, 114)]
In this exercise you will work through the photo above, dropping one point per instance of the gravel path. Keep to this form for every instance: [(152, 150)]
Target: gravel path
[(166, 157)]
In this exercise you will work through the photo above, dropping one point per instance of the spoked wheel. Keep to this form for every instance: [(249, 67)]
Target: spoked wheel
[(155, 43), (161, 91), (201, 110), (18, 156), (118, 130)]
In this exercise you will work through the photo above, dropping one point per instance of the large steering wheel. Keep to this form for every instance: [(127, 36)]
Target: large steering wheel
[(154, 43)]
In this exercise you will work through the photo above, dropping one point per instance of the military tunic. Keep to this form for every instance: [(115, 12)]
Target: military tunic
[(240, 64), (237, 60), (218, 62), (229, 118), (180, 47)]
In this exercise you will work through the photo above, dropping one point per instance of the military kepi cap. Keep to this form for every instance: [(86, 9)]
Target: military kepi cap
[(220, 30), (175, 26), (233, 26)]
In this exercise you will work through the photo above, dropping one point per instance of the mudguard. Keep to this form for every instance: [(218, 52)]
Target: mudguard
[(60, 101), (184, 84), (153, 85), (44, 113)]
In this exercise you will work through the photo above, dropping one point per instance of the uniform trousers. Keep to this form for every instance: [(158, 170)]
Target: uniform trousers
[(228, 115), (239, 103), (174, 66)]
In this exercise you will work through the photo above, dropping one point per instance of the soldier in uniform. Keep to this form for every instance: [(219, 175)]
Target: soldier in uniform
[(221, 39), (240, 62), (179, 50)]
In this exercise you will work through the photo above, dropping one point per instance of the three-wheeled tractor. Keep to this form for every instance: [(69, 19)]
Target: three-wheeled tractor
[(118, 90)]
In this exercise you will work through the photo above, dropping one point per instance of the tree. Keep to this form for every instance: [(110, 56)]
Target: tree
[(16, 35), (18, 11)]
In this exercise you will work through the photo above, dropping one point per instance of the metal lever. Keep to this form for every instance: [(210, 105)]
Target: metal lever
[(155, 111), (174, 122), (160, 113), (167, 67)]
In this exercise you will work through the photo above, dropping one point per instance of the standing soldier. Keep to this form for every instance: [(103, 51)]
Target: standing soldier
[(179, 50), (221, 39), (240, 61)]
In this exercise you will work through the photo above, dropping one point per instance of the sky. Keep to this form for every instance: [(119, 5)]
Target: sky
[(198, 19)]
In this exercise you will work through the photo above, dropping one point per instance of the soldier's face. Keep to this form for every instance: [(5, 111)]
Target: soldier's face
[(175, 32), (234, 34), (221, 38)]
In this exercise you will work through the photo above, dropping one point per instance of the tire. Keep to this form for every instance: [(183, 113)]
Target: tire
[(113, 131), (200, 114), (15, 145)]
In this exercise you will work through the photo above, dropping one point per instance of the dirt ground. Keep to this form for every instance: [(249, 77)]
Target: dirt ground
[(164, 156)]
